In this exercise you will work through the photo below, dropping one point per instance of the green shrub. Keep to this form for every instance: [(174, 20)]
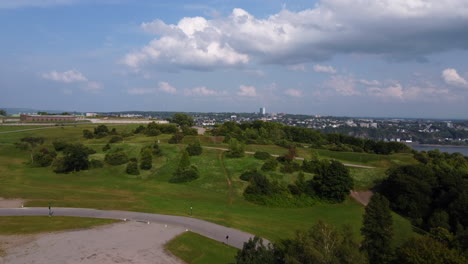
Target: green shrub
[(88, 134), (115, 139), (195, 148), (249, 174), (44, 157), (59, 145), (132, 168), (96, 164), (106, 147), (116, 158), (146, 159), (262, 155), (270, 165)]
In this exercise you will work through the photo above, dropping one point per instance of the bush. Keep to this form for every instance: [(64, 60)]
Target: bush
[(262, 155), (290, 167), (44, 157), (270, 165), (95, 164), (106, 147), (195, 149), (189, 174), (132, 168), (249, 174), (88, 134), (116, 158), (153, 132), (115, 139), (176, 138), (146, 159), (59, 145), (236, 149)]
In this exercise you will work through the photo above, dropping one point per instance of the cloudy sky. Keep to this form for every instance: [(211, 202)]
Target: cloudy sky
[(386, 58)]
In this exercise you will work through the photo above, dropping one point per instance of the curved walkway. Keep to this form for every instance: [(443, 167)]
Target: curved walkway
[(211, 230)]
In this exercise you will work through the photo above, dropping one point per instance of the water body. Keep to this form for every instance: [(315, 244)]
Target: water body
[(449, 149)]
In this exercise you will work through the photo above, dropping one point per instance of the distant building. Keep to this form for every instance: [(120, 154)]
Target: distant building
[(262, 111), (91, 114), (47, 118), (373, 125)]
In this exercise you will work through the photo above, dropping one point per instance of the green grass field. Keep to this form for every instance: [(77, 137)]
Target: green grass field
[(195, 249), (19, 225), (211, 196)]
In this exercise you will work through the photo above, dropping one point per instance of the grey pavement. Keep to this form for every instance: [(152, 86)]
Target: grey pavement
[(204, 228)]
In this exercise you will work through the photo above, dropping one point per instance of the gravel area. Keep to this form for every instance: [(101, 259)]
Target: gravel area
[(126, 242)]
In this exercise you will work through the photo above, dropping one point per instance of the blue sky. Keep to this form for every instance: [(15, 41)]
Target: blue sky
[(389, 58)]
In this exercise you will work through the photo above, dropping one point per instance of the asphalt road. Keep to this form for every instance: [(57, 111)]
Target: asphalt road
[(204, 228)]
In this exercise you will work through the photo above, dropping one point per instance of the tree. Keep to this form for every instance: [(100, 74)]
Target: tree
[(88, 134), (132, 168), (377, 230), (195, 148), (322, 244), (333, 181), (255, 252), (236, 149), (3, 112), (185, 172), (146, 159), (182, 119), (30, 143), (427, 250), (116, 158), (75, 159), (176, 138)]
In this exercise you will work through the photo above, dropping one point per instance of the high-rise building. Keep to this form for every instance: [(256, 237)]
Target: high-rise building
[(262, 111)]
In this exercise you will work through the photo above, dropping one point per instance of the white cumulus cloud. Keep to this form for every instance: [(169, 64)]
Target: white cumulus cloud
[(393, 91), (452, 77), (343, 85), (293, 92), (65, 77), (249, 91), (201, 91), (167, 88), (324, 69), (393, 29)]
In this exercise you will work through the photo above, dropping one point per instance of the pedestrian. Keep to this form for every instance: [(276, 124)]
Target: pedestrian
[(50, 211), (227, 239)]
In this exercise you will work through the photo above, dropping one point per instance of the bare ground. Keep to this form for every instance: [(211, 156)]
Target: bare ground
[(11, 203), (362, 197), (127, 242)]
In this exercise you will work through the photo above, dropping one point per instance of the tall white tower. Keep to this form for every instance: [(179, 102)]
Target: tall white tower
[(262, 110)]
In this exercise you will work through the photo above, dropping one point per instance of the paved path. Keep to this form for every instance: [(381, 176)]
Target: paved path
[(298, 158), (211, 230)]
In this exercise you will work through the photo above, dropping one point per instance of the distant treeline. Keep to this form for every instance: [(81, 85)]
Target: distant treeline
[(259, 132)]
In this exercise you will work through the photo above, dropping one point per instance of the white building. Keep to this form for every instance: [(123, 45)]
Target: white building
[(91, 114), (262, 110)]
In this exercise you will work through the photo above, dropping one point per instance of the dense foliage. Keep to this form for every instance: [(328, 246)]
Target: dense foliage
[(433, 193), (116, 158), (146, 159), (377, 230), (185, 171), (259, 132), (195, 148), (75, 158)]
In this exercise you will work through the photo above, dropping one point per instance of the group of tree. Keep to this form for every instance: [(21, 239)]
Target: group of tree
[(432, 193), (331, 182), (185, 172), (259, 132), (326, 244)]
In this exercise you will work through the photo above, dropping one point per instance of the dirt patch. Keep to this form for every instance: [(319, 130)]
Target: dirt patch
[(11, 203), (127, 242), (362, 197)]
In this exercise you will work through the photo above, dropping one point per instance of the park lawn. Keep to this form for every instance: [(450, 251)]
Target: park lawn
[(196, 249), (18, 225), (5, 128), (365, 179), (211, 196)]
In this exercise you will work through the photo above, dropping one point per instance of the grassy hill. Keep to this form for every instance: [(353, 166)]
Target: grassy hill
[(216, 196)]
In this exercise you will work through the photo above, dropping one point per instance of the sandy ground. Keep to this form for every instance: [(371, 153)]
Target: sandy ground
[(11, 203), (362, 197), (126, 242)]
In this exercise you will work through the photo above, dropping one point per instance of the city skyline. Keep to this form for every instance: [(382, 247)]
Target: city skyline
[(331, 57)]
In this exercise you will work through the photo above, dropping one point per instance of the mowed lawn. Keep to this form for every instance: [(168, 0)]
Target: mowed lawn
[(196, 249), (211, 197)]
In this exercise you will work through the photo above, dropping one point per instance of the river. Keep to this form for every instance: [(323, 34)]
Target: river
[(449, 149)]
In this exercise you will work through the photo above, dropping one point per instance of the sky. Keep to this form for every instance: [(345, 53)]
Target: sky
[(386, 58)]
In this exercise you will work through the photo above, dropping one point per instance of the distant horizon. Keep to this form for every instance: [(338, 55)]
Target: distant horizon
[(221, 112)]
